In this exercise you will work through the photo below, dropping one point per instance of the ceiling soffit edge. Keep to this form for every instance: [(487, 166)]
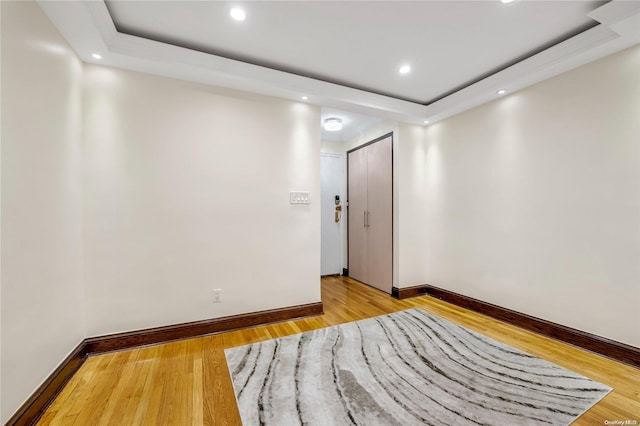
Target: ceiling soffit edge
[(88, 27)]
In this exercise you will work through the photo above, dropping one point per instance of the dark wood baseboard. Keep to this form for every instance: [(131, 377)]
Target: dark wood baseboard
[(150, 336), (406, 292), (35, 406), (609, 348)]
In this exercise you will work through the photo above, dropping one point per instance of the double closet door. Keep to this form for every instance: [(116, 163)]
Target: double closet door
[(370, 191)]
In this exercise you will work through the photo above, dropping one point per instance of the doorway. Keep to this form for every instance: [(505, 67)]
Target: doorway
[(331, 186)]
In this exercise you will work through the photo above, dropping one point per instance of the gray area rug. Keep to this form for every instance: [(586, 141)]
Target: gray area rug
[(405, 368)]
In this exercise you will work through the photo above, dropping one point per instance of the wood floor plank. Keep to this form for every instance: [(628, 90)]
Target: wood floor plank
[(188, 382)]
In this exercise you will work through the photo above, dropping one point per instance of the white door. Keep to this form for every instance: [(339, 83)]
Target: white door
[(331, 177)]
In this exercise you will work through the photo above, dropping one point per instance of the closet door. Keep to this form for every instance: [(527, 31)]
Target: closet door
[(380, 217), (357, 184), (371, 214)]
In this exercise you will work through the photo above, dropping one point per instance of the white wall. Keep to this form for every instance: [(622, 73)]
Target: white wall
[(532, 202), (187, 190), (332, 147), (414, 233), (1, 415), (42, 296)]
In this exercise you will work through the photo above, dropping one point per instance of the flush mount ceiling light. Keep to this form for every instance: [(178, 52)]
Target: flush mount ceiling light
[(332, 124), (426, 121), (238, 14), (96, 56), (506, 1), (304, 98), (404, 69), (501, 92)]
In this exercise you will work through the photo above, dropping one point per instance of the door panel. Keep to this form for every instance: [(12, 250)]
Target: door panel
[(331, 175), (357, 208), (380, 220)]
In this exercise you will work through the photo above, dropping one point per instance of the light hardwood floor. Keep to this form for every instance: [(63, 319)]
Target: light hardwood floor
[(187, 382)]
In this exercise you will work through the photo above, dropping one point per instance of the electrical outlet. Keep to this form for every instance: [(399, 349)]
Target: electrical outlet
[(216, 295)]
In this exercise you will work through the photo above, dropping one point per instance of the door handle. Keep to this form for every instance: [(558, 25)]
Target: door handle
[(365, 218), (368, 224)]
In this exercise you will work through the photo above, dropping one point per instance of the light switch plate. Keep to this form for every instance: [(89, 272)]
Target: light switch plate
[(299, 197)]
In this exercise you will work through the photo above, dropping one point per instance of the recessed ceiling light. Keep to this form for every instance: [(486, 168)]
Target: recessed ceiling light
[(96, 56), (426, 121), (506, 1), (304, 98), (404, 69), (238, 14), (501, 92), (332, 124)]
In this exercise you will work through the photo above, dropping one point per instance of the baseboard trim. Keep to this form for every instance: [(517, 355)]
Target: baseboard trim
[(606, 347), (35, 406), (150, 336), (29, 413), (406, 292)]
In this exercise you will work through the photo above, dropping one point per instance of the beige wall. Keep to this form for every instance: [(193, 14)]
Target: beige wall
[(42, 296), (532, 202), (186, 189), (332, 147), (1, 415)]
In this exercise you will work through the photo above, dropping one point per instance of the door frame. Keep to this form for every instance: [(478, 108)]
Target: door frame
[(378, 139)]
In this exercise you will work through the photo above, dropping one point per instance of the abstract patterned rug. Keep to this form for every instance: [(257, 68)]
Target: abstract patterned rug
[(405, 368)]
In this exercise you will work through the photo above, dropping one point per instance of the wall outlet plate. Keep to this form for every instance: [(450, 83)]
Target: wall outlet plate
[(216, 295)]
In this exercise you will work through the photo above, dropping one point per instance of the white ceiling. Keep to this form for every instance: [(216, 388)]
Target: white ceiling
[(352, 124), (362, 44), (344, 55)]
